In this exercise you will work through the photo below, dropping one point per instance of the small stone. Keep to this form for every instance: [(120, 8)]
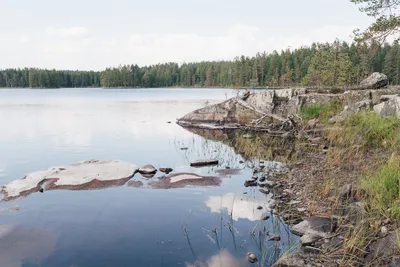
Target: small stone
[(255, 177), (270, 184), (251, 257), (168, 122), (309, 239), (244, 193), (166, 170), (241, 161), (275, 238), (147, 169), (272, 204), (41, 190), (250, 183), (262, 178), (184, 148), (288, 191), (259, 208), (227, 167), (384, 230), (294, 202), (264, 191)]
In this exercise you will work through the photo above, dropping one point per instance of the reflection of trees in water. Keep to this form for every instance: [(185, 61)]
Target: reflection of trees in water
[(202, 148), (228, 237), (260, 146)]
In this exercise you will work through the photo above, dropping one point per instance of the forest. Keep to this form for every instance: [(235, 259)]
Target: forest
[(336, 64)]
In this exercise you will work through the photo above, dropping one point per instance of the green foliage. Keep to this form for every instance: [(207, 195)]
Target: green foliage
[(330, 67), (321, 111), (383, 188), (39, 78), (387, 21)]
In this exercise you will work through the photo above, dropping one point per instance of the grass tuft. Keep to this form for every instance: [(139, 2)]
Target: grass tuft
[(383, 188), (321, 111)]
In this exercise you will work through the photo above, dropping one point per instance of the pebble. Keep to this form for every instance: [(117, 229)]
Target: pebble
[(384, 230), (251, 257), (259, 208)]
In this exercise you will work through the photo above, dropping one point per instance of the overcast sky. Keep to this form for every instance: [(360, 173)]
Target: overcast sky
[(94, 34)]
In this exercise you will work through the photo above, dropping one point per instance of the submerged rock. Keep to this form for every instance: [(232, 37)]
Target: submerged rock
[(185, 179), (85, 175), (204, 162), (134, 183)]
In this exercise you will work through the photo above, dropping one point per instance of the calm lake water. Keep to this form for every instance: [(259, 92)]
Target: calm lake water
[(126, 226)]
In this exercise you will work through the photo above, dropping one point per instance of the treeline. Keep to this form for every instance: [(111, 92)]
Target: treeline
[(39, 78), (334, 64), (320, 65)]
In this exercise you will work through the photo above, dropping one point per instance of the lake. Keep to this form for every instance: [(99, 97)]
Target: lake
[(127, 226)]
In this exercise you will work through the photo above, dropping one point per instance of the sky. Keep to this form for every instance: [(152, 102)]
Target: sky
[(95, 34)]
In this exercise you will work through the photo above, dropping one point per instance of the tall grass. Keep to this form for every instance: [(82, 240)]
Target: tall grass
[(383, 188), (367, 130)]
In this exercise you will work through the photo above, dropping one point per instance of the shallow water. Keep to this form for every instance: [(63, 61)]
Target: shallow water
[(126, 226)]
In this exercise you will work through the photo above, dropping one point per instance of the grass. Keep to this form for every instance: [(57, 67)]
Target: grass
[(321, 111), (367, 130), (383, 189)]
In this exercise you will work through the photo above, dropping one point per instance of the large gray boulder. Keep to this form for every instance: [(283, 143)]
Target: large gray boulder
[(375, 81), (390, 106)]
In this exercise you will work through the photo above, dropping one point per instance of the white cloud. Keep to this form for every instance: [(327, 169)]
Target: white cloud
[(73, 32), (24, 39), (243, 207), (77, 48)]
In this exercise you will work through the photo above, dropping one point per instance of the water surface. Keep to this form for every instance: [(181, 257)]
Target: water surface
[(125, 226)]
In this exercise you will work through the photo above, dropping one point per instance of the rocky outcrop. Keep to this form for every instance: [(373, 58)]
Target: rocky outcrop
[(85, 175), (274, 105), (375, 81), (390, 106), (269, 105)]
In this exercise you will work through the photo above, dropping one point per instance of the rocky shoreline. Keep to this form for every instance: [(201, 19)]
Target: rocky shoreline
[(326, 219)]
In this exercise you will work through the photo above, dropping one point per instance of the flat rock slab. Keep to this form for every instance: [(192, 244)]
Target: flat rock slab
[(85, 175), (180, 180), (204, 162), (316, 226)]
